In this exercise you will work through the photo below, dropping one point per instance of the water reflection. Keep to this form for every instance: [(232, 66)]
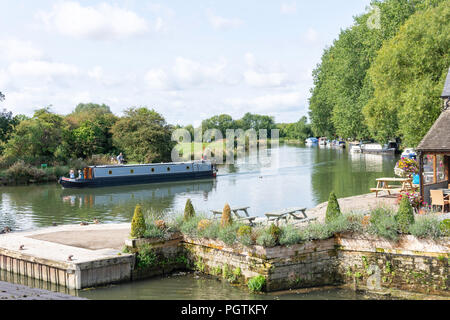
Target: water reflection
[(296, 176)]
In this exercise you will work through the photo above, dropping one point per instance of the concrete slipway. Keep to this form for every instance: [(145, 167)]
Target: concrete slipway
[(73, 256)]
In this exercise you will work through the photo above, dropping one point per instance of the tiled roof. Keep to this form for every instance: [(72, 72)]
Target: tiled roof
[(438, 138)]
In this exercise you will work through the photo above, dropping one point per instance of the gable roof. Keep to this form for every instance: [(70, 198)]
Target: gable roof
[(438, 137), (446, 92)]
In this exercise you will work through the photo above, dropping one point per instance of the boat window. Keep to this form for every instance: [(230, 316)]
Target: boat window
[(153, 169), (131, 171), (168, 168), (110, 172), (187, 168)]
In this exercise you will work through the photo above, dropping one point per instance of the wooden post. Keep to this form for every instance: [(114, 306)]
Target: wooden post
[(421, 175), (435, 169)]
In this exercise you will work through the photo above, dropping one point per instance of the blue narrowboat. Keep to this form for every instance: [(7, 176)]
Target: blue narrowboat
[(116, 175)]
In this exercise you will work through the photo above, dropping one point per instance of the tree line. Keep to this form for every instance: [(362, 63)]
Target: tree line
[(384, 81), (143, 135)]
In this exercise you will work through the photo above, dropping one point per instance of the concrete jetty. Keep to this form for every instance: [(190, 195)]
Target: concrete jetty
[(73, 256)]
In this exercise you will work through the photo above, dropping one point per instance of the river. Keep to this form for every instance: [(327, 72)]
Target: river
[(295, 176)]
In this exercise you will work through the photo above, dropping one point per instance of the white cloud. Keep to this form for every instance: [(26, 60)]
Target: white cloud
[(157, 79), (270, 102), (222, 23), (15, 49), (289, 8), (35, 68), (258, 76), (311, 35), (102, 22)]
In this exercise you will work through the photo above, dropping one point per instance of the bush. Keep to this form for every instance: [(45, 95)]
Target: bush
[(290, 235), (383, 224), (153, 231), (426, 227), (355, 222), (138, 227), (244, 231), (405, 215), (333, 209), (227, 219), (227, 234), (22, 170), (445, 228), (275, 232), (146, 257), (316, 231), (265, 239), (257, 284), (189, 211), (203, 224)]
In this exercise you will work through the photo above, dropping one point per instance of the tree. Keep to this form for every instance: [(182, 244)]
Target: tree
[(138, 226), (408, 77), (189, 211), (143, 136), (38, 139), (2, 96), (7, 122), (299, 130)]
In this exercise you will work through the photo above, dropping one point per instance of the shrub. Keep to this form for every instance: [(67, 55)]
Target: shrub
[(316, 231), (146, 257), (190, 226), (203, 224), (275, 232), (189, 211), (333, 209), (257, 284), (160, 224), (153, 231), (227, 234), (22, 170), (383, 224), (426, 227), (355, 222), (227, 219), (290, 235), (405, 215), (138, 227), (445, 228), (244, 231), (265, 239)]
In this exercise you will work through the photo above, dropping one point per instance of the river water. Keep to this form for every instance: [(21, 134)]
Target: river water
[(294, 177)]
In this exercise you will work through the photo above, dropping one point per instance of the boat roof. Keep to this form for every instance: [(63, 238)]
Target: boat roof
[(146, 164)]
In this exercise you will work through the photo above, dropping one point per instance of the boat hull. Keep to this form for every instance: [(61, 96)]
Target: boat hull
[(133, 180)]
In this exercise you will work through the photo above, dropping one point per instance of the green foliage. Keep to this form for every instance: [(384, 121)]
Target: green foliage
[(383, 224), (300, 130), (189, 211), (257, 284), (143, 136), (146, 257), (227, 234), (426, 227), (227, 219), (290, 235), (445, 227), (138, 227), (152, 231), (316, 231), (405, 215), (265, 239), (275, 232), (408, 76), (244, 231), (333, 209)]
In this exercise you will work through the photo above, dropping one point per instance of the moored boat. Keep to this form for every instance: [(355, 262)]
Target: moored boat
[(116, 175), (311, 141)]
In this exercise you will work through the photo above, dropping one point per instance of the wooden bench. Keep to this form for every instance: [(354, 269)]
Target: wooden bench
[(247, 218), (286, 214)]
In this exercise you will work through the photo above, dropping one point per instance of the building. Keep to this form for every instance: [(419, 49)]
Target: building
[(434, 150)]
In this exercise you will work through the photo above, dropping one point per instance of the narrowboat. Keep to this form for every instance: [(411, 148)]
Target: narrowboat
[(116, 175)]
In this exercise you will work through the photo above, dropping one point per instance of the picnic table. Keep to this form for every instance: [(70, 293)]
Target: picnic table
[(286, 214), (235, 211), (385, 184)]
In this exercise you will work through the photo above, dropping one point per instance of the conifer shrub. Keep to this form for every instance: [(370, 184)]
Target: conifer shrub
[(333, 208), (227, 219), (138, 227), (404, 216), (189, 211)]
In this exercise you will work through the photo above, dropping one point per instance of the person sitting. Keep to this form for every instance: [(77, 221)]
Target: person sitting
[(72, 174), (120, 158), (80, 174)]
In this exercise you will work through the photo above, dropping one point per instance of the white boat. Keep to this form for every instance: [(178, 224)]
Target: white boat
[(356, 148), (378, 148), (409, 153), (311, 141), (322, 141)]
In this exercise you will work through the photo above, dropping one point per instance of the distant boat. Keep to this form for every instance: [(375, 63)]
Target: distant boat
[(311, 141), (356, 148), (116, 175), (409, 153), (323, 141), (378, 148)]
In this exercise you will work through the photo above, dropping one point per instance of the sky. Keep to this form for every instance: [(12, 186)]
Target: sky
[(188, 60)]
